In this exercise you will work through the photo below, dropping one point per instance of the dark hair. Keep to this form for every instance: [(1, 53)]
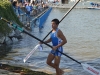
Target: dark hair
[(14, 3), (56, 21)]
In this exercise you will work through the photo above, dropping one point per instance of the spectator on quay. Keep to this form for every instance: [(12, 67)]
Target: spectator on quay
[(28, 9), (35, 9), (16, 8), (33, 2), (23, 1), (40, 8), (31, 9)]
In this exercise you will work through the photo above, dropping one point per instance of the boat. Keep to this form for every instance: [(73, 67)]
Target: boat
[(94, 8), (94, 5)]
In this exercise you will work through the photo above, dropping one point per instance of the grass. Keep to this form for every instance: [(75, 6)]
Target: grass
[(6, 11)]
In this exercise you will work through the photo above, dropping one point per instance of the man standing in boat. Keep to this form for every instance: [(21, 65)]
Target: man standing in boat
[(58, 40)]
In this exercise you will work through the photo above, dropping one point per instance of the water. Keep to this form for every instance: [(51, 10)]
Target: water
[(81, 27)]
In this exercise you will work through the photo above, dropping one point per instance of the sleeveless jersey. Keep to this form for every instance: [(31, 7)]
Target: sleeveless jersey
[(55, 41)]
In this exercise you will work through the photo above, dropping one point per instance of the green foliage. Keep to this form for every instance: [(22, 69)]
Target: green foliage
[(6, 11)]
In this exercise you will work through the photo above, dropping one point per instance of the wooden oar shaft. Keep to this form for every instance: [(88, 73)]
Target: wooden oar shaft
[(69, 57), (17, 27), (37, 38), (40, 40), (63, 17), (50, 46), (5, 20), (70, 10)]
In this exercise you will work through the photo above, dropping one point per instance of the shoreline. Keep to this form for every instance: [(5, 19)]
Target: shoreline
[(13, 70), (80, 5)]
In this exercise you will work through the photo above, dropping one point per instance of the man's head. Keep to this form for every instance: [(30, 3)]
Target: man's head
[(55, 23), (15, 3)]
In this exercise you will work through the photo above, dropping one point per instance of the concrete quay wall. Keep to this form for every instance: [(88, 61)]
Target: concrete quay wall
[(79, 5)]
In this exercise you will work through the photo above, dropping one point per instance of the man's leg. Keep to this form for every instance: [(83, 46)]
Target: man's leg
[(55, 64), (50, 59)]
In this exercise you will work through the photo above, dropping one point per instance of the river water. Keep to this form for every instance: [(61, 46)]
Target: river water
[(82, 30)]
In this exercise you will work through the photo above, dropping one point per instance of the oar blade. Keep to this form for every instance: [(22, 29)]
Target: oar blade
[(40, 47), (90, 69), (28, 55)]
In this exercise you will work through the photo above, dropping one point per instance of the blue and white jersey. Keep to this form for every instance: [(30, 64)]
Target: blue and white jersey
[(54, 38), (55, 41)]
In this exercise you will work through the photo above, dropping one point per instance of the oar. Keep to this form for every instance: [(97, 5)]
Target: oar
[(33, 50), (39, 46), (63, 17), (85, 66), (28, 55)]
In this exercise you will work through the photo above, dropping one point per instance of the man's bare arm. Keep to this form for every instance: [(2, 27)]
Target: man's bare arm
[(62, 37), (47, 41)]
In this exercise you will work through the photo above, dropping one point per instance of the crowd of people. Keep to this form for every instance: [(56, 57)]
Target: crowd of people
[(31, 7)]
